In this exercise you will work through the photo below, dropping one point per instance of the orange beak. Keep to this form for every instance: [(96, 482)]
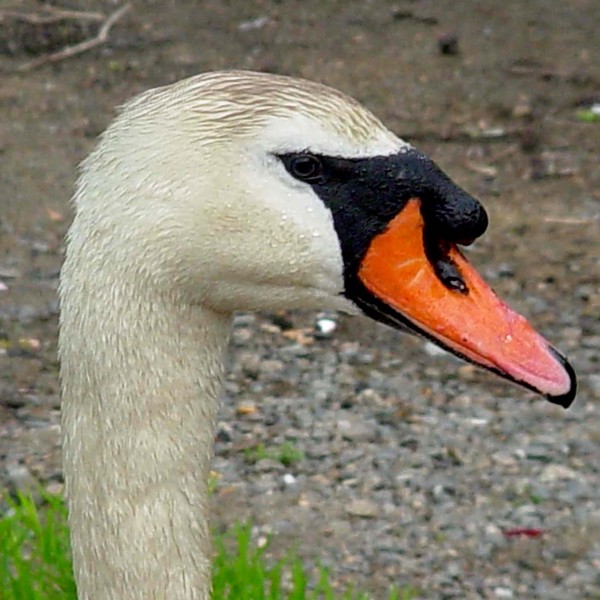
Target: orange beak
[(472, 322)]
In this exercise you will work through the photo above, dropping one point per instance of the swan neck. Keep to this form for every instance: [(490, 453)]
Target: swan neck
[(141, 377)]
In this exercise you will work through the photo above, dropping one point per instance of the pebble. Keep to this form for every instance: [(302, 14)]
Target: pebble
[(267, 465), (246, 408), (27, 313), (467, 372), (289, 479), (433, 350), (504, 458), (19, 477), (11, 398), (553, 472), (362, 508), (357, 431), (325, 327)]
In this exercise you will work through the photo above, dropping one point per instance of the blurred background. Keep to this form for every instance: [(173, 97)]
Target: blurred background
[(369, 451)]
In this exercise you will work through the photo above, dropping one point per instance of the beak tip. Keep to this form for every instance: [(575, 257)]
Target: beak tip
[(565, 400)]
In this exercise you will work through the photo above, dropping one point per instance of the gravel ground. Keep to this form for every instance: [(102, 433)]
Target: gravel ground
[(369, 451), (381, 457)]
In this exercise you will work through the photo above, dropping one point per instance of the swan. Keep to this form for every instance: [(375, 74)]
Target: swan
[(240, 191)]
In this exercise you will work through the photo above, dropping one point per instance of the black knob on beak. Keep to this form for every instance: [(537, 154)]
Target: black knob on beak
[(455, 217), (448, 211)]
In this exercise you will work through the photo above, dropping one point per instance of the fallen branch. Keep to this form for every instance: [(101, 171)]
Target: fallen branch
[(69, 51), (538, 71), (481, 169), (568, 220), (547, 73), (53, 14), (464, 136)]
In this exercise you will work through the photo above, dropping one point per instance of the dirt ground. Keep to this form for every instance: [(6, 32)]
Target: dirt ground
[(500, 94)]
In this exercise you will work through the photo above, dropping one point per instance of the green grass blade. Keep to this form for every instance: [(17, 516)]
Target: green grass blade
[(35, 561)]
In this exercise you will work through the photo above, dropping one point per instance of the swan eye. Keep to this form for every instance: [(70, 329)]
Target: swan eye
[(305, 167)]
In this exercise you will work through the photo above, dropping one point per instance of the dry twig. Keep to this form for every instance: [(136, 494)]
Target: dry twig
[(70, 51), (53, 14), (568, 220)]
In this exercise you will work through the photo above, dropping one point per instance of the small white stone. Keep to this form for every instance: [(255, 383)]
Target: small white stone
[(289, 479), (251, 24), (554, 472), (433, 350), (326, 326)]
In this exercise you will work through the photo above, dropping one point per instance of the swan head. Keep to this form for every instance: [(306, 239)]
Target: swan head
[(247, 191)]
